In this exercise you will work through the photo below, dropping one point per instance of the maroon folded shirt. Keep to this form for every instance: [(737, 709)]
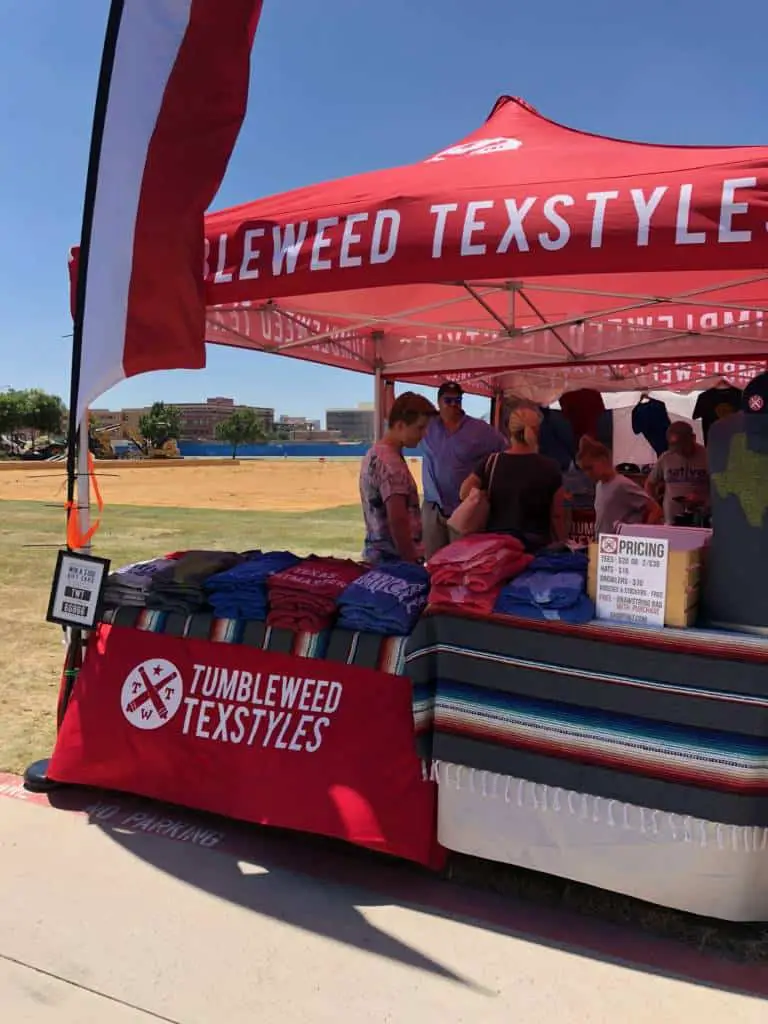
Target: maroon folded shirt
[(304, 596), (299, 622)]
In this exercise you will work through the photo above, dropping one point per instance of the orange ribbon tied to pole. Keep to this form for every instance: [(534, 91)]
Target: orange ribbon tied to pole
[(77, 539)]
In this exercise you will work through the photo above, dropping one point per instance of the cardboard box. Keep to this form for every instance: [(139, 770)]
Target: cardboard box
[(684, 578)]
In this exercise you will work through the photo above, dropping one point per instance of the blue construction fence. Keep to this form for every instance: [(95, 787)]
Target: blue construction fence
[(277, 450)]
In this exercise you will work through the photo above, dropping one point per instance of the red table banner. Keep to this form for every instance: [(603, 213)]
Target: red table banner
[(296, 743)]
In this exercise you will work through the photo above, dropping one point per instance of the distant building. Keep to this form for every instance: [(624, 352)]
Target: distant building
[(298, 423), (106, 419), (315, 435), (198, 419), (352, 424), (299, 428)]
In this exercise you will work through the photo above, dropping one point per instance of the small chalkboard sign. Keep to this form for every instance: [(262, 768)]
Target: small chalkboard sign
[(76, 592)]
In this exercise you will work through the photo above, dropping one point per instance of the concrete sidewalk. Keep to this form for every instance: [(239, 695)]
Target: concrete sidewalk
[(99, 923)]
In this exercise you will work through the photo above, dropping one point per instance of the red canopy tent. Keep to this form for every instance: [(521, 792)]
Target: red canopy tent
[(528, 257)]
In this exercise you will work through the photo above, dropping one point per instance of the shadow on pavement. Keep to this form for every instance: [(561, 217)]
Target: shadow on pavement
[(323, 886)]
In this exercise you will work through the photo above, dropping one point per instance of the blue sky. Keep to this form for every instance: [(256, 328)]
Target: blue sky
[(339, 87)]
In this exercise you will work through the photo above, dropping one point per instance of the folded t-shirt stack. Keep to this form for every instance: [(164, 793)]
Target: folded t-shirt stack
[(128, 587), (241, 592), (553, 588), (388, 599), (303, 598), (179, 587), (469, 573)]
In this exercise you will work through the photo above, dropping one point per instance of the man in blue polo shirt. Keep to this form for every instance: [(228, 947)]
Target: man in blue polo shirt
[(452, 447)]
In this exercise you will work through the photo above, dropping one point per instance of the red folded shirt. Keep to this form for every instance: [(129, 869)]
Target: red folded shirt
[(304, 596), (321, 577), (504, 568), (293, 599), (478, 563), (473, 551), (451, 599)]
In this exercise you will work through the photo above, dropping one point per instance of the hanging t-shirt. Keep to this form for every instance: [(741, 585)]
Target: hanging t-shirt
[(583, 409), (714, 405), (618, 501), (556, 439), (683, 477), (651, 419), (384, 473), (521, 495)]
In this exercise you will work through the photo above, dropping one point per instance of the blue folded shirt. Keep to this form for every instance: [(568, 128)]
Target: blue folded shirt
[(560, 561), (547, 589), (253, 573), (578, 614), (230, 606), (388, 599)]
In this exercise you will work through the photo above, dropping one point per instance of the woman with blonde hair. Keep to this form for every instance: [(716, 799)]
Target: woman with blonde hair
[(520, 483)]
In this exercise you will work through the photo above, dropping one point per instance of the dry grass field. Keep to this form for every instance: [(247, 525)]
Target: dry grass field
[(280, 485)]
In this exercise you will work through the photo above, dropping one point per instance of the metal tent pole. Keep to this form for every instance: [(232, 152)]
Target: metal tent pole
[(378, 388)]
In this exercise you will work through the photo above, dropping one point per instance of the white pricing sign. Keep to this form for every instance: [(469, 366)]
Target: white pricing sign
[(632, 579)]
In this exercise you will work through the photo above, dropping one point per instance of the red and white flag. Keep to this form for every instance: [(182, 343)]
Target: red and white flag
[(172, 97)]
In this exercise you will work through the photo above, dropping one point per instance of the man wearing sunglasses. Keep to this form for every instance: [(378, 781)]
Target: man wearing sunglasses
[(453, 445)]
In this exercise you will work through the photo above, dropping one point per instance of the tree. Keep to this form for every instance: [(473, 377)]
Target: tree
[(32, 411), (43, 413), (11, 412), (160, 424), (242, 427)]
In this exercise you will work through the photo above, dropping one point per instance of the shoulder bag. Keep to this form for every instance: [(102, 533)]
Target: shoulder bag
[(473, 513)]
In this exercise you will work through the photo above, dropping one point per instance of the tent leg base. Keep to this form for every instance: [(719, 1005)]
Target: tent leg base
[(36, 777)]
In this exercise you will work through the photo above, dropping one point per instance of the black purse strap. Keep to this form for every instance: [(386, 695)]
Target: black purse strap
[(493, 461)]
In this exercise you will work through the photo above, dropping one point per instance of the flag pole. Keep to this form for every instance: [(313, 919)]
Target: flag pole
[(36, 775), (89, 202)]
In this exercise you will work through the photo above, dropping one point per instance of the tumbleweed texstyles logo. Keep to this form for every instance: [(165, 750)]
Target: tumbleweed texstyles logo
[(152, 693), (480, 147), (756, 403), (609, 545)]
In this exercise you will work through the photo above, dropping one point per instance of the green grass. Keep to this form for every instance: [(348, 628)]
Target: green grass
[(30, 535)]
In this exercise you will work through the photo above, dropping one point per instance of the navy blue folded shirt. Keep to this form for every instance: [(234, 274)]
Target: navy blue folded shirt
[(560, 561), (242, 594), (579, 613), (552, 588)]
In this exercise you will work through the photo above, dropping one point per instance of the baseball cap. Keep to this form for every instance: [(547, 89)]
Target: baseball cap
[(679, 431), (450, 387)]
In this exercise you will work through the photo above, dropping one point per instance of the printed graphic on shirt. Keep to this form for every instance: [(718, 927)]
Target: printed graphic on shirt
[(745, 478), (686, 473), (383, 474)]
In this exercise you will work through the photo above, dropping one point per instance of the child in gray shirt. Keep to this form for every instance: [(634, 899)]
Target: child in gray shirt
[(617, 498)]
